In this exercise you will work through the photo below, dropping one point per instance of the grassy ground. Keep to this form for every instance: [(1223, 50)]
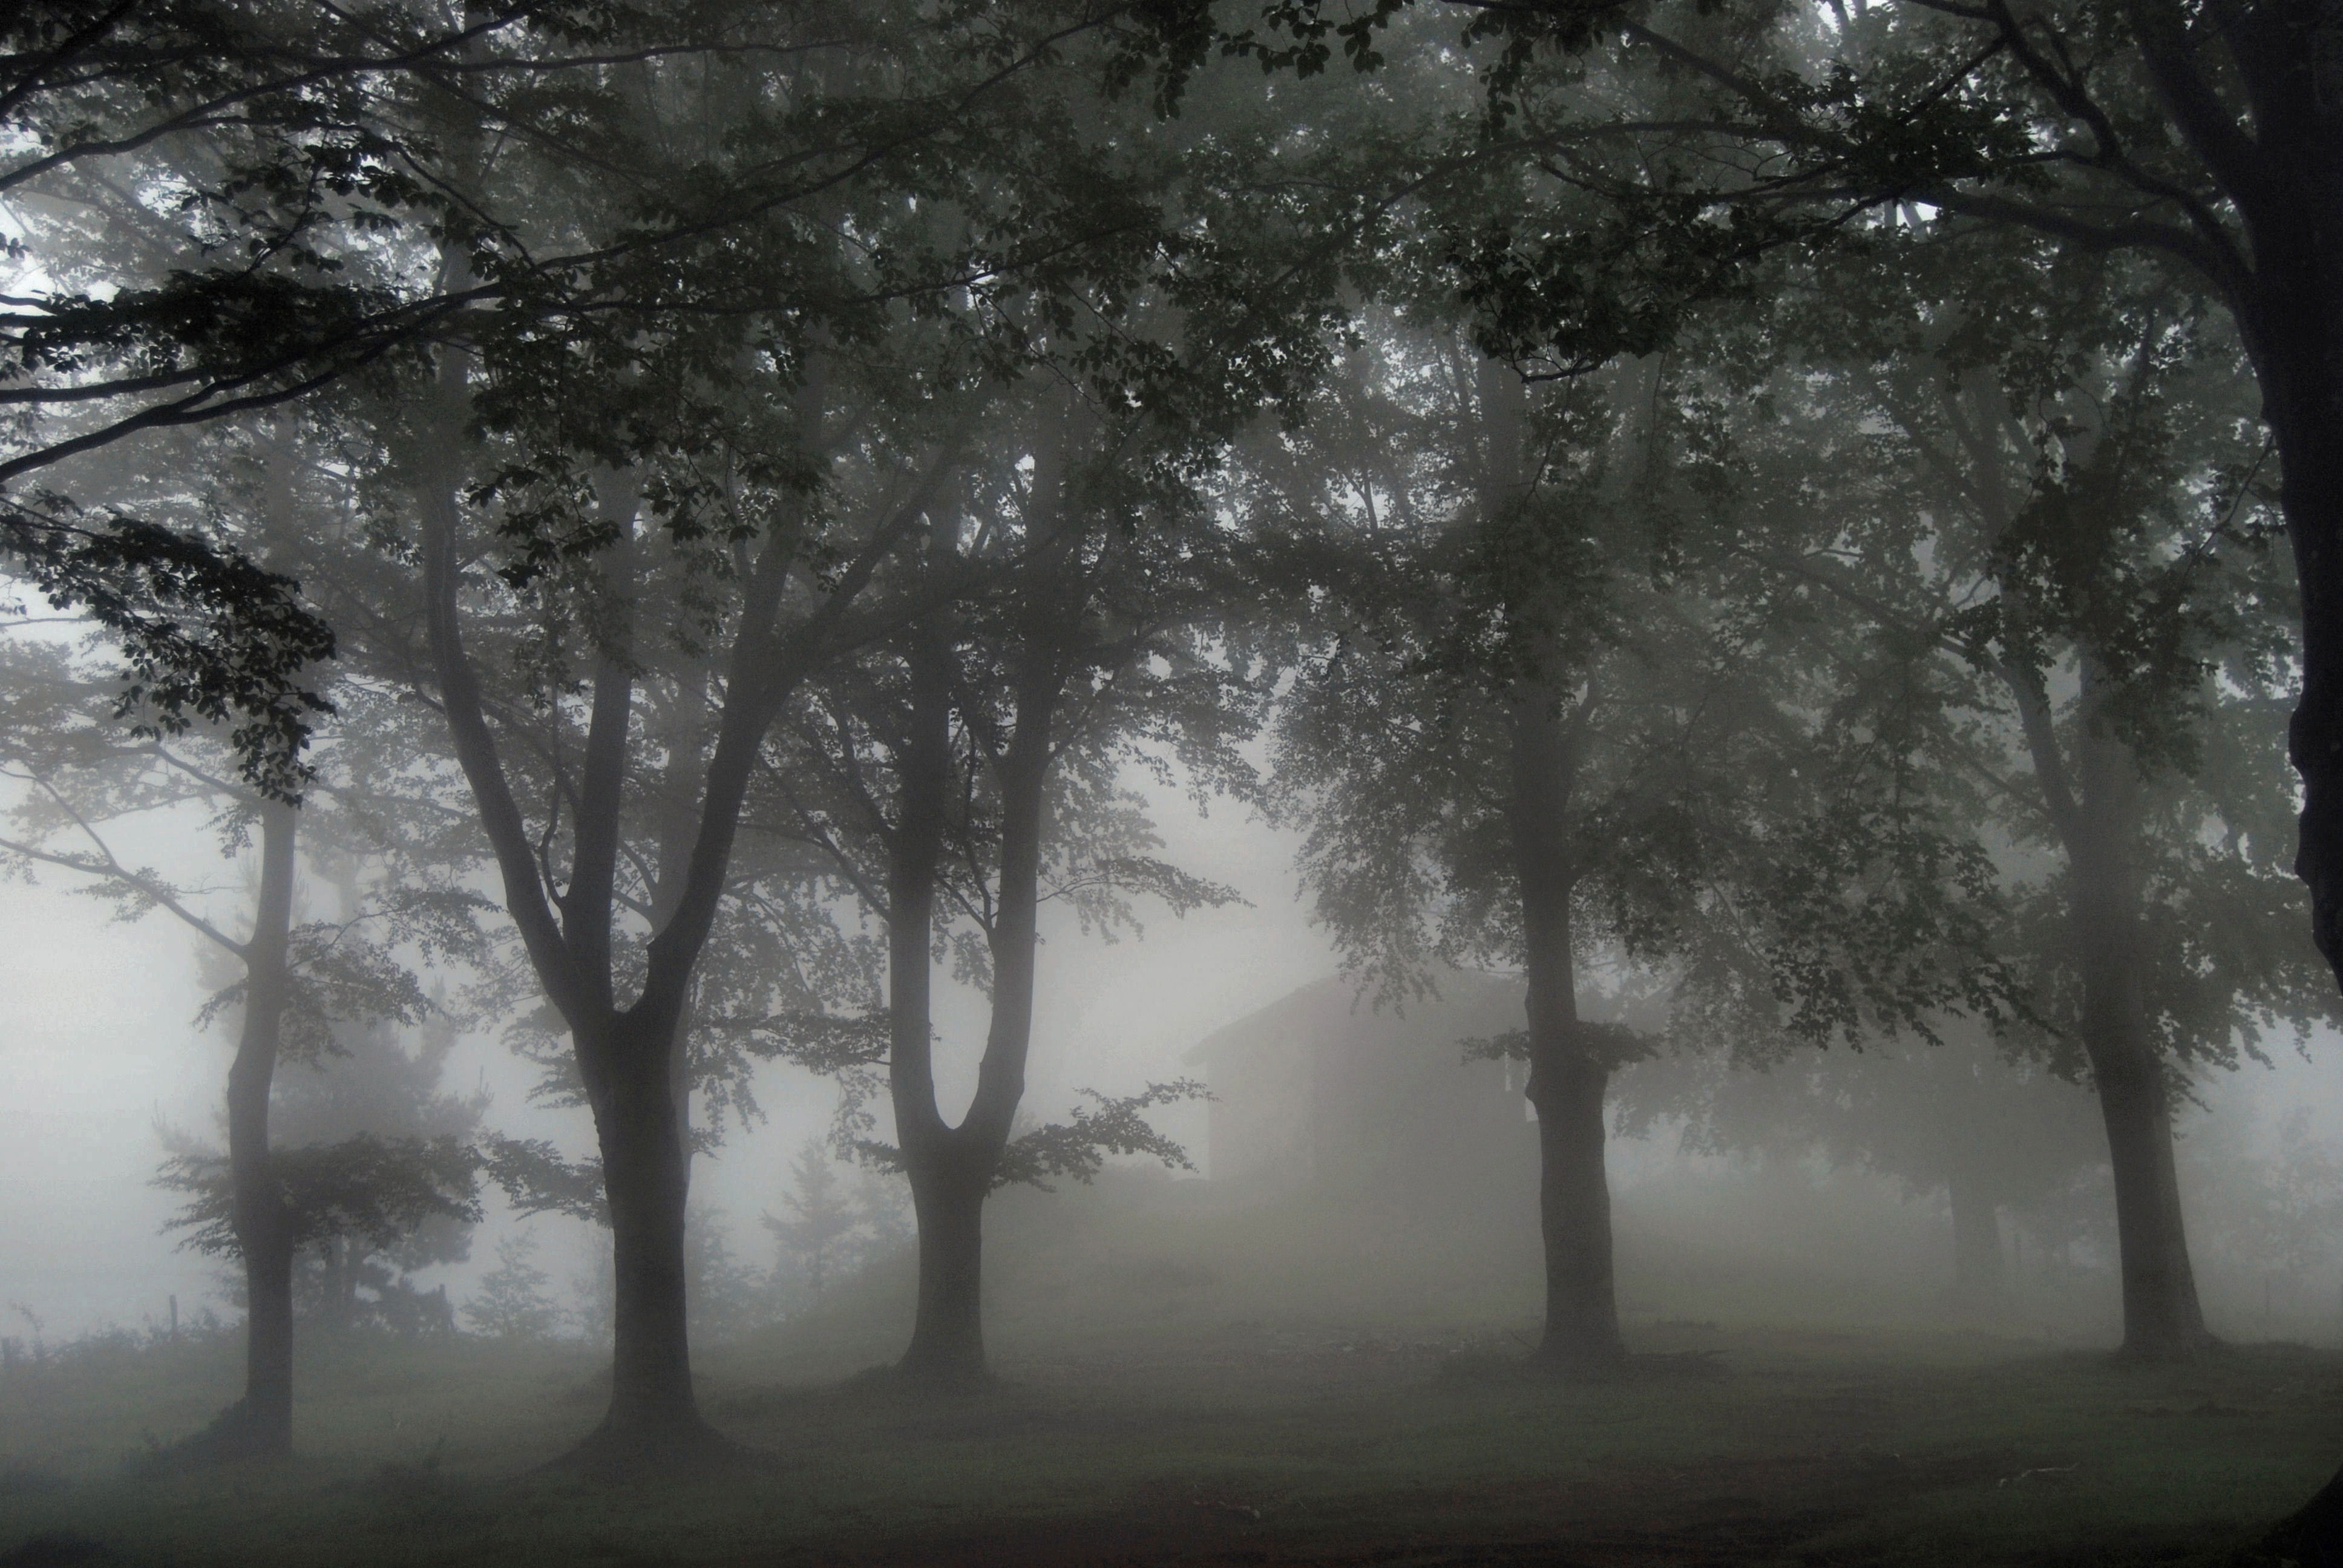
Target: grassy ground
[(1282, 1441)]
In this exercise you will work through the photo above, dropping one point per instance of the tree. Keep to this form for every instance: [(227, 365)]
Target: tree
[(291, 983), (404, 1153), (2093, 562), (697, 507), (512, 1303), (1534, 729), (1991, 1128), (822, 1220), (965, 774)]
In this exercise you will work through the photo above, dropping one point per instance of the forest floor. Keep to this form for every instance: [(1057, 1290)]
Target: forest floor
[(1285, 1441)]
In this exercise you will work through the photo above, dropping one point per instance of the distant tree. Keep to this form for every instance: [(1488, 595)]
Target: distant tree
[(822, 1220), (729, 1296), (352, 1270), (2269, 1200), (512, 1302), (289, 983), (1988, 1125)]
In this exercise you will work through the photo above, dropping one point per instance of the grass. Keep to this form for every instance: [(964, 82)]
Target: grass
[(1186, 1383), (1284, 1441)]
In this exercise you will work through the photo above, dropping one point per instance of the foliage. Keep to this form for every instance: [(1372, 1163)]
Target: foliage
[(375, 1189), (512, 1303)]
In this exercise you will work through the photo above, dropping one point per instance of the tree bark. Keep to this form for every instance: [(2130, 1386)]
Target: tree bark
[(947, 1347), (654, 1414), (260, 1424), (1567, 1082), (2163, 1320)]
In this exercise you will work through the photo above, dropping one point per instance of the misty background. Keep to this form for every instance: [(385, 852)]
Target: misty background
[(104, 1052)]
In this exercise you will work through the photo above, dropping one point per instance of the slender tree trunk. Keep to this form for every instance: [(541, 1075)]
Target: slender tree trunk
[(2098, 817), (947, 1336), (260, 1425), (1567, 1082), (1977, 1270), (2163, 1320)]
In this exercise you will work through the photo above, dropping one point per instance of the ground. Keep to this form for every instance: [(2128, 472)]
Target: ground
[(1294, 1440)]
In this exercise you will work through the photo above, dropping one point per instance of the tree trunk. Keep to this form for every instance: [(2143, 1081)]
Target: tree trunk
[(1566, 1083), (654, 1415), (260, 1424), (2306, 419), (2163, 1320), (1977, 1272), (1582, 1311), (947, 1346), (2304, 401), (951, 1168)]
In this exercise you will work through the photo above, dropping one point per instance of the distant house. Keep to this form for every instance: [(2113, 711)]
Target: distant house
[(1321, 1091)]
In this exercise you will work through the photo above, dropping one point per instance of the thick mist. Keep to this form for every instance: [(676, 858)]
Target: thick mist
[(1220, 781)]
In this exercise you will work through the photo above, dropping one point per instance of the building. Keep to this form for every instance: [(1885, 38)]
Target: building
[(1322, 1092)]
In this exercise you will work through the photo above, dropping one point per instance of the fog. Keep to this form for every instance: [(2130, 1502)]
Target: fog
[(97, 1066), (94, 1065), (1216, 781)]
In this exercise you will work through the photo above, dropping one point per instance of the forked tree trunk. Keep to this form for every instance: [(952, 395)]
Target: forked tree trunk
[(260, 1424), (951, 1168), (1977, 1269)]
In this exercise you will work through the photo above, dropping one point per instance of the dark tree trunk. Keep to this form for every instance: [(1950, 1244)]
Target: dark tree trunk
[(947, 1336), (2306, 419), (2162, 1318), (1977, 1270), (2299, 358), (628, 1057), (260, 1424), (951, 1168), (947, 1345), (1582, 1311), (1567, 1082), (647, 1171)]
